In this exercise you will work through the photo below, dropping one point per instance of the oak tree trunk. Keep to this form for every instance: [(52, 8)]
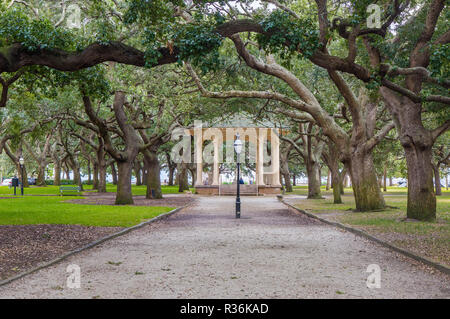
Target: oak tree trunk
[(328, 180), (437, 180), (287, 182), (171, 172), (137, 172), (193, 175), (41, 176), (417, 143), (312, 169), (421, 196), (114, 173), (89, 173), (335, 179), (124, 195), (152, 171), (95, 177), (101, 169), (183, 184), (57, 177), (284, 170), (365, 182), (336, 185), (102, 178), (77, 177)]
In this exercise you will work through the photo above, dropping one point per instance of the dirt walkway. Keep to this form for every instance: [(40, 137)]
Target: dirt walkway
[(203, 252)]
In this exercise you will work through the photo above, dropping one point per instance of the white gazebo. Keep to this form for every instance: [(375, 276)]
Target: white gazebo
[(256, 137)]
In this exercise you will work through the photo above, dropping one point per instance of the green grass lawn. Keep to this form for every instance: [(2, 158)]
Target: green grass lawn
[(430, 239), (54, 210), (54, 190)]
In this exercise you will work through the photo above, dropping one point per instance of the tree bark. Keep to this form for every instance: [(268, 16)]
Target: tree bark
[(294, 183), (57, 177), (421, 196), (284, 170), (312, 169), (101, 179), (328, 180), (335, 177), (437, 180), (137, 172), (287, 182), (77, 177), (385, 178), (76, 171), (41, 176), (183, 184), (336, 185), (114, 173), (95, 176), (67, 172), (342, 178), (124, 194), (89, 172), (152, 171), (171, 173), (194, 176), (365, 182)]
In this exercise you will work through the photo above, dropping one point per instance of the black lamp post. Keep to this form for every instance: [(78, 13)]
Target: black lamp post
[(21, 162), (238, 149)]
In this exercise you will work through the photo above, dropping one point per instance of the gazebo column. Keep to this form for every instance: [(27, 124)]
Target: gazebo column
[(260, 157), (275, 143), (199, 157), (216, 162)]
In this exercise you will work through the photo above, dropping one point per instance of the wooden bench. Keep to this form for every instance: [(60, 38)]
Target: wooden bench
[(69, 189)]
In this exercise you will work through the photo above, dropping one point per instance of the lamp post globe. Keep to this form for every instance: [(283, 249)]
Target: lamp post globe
[(238, 150)]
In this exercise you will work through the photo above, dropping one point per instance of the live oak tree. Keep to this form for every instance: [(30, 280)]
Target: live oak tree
[(132, 144), (99, 160), (337, 175), (410, 68), (72, 149), (22, 125), (40, 151), (308, 143)]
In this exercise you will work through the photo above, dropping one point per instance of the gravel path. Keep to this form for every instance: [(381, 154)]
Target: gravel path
[(203, 252)]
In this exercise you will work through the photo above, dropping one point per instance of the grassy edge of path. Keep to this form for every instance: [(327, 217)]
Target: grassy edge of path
[(34, 210), (428, 239)]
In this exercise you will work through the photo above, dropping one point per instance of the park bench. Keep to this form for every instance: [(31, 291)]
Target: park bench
[(63, 190)]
